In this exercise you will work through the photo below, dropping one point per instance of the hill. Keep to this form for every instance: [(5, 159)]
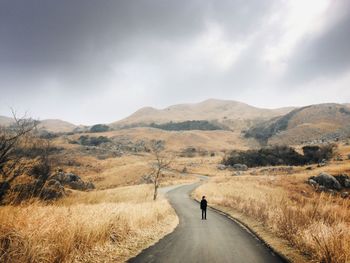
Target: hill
[(56, 125), (214, 140), (309, 124), (230, 113), (50, 125)]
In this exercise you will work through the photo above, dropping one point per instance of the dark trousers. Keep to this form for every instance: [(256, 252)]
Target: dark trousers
[(204, 213)]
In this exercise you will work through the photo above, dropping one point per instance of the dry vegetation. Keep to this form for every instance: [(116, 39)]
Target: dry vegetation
[(107, 225), (316, 224)]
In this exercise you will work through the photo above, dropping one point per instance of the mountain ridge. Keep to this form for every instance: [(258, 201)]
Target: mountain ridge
[(210, 109)]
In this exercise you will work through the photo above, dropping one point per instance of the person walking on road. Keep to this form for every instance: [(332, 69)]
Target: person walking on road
[(204, 204)]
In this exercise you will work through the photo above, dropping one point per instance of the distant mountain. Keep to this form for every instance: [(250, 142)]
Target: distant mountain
[(231, 113), (56, 125), (314, 123), (50, 125)]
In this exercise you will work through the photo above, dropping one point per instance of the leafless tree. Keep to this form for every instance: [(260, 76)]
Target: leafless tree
[(10, 160), (161, 162)]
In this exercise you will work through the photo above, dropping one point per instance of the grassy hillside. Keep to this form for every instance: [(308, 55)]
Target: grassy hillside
[(220, 110), (50, 125), (311, 123)]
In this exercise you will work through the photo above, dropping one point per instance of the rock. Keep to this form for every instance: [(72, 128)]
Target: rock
[(327, 180), (312, 183), (347, 183), (221, 167), (321, 188), (72, 180), (343, 179), (322, 163), (345, 194), (237, 173), (308, 168), (240, 167)]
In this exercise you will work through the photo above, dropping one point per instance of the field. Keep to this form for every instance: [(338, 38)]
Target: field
[(106, 225), (119, 218), (287, 212)]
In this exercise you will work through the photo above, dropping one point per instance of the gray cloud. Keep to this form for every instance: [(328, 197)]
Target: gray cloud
[(324, 54), (96, 61)]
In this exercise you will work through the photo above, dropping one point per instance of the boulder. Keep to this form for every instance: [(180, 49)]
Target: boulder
[(343, 179), (240, 167), (72, 180), (312, 183), (347, 183), (322, 163), (327, 180), (221, 167), (345, 194)]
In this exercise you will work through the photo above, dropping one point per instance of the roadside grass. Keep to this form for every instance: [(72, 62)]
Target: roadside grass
[(83, 226), (317, 225)]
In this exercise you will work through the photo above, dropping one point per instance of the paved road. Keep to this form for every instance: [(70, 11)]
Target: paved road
[(217, 239)]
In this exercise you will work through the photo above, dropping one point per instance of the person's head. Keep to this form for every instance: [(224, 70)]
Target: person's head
[(203, 197)]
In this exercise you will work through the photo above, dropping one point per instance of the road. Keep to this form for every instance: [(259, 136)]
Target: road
[(217, 239)]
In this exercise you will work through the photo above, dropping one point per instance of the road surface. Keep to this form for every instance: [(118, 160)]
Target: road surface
[(217, 239)]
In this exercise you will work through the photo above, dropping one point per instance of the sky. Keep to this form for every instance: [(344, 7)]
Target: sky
[(97, 61)]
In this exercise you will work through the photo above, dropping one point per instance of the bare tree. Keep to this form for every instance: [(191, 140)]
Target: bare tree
[(10, 160), (162, 162)]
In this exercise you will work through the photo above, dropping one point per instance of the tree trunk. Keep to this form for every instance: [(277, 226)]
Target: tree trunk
[(155, 190)]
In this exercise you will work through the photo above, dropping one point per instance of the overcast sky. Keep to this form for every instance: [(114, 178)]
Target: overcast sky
[(97, 61)]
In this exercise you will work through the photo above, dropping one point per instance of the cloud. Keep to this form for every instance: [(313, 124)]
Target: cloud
[(92, 61), (324, 54)]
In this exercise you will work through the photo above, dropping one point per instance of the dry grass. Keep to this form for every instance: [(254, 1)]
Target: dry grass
[(177, 140), (109, 225), (317, 225)]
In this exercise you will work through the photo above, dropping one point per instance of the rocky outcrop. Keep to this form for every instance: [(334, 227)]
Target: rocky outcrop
[(240, 167), (71, 180), (343, 179), (331, 184), (326, 180)]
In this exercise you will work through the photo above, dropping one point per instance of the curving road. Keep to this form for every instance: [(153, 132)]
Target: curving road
[(217, 239)]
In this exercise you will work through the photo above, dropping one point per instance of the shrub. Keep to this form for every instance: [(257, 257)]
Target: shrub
[(187, 125), (315, 154), (280, 155), (99, 128), (91, 141)]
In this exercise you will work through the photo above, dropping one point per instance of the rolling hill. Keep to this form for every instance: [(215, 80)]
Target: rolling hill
[(233, 114), (309, 124), (50, 125), (240, 124)]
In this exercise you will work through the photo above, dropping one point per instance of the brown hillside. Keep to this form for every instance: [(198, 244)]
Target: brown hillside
[(314, 123), (50, 125), (55, 125), (224, 111)]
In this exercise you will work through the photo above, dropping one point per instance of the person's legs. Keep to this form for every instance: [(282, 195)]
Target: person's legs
[(202, 213), (205, 213)]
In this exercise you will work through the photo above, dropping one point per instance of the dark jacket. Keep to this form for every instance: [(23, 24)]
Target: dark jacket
[(204, 204)]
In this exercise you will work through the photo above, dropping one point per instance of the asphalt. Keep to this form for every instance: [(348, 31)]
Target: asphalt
[(217, 239)]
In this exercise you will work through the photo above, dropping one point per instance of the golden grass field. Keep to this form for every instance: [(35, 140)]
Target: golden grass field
[(119, 218), (98, 226), (288, 213)]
